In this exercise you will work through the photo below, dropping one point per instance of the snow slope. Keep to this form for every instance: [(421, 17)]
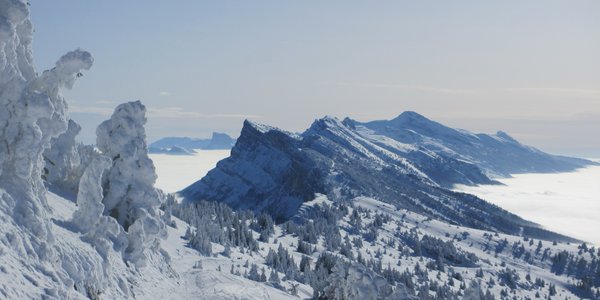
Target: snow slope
[(471, 256), (199, 277), (179, 280), (480, 243)]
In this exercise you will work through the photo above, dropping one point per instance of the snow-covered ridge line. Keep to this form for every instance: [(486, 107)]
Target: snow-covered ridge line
[(498, 154), (264, 128)]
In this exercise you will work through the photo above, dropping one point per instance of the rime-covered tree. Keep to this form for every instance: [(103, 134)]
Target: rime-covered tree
[(129, 193), (32, 112), (355, 282), (63, 166), (274, 277)]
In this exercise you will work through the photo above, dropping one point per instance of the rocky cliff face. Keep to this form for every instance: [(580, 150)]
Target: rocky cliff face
[(267, 171)]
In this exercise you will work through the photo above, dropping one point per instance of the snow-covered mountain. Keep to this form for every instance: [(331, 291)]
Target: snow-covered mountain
[(497, 154), (216, 142), (275, 171)]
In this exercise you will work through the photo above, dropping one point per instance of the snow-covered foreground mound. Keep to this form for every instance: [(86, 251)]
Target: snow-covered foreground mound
[(183, 279), (175, 172), (568, 203), (108, 245)]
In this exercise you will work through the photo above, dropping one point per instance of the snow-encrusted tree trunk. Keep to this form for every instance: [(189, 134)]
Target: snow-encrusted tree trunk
[(62, 162), (355, 281), (130, 196), (32, 111), (89, 197), (101, 231)]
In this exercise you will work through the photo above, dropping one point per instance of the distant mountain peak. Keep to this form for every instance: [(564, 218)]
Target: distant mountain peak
[(350, 123), (263, 128), (413, 119), (219, 135), (326, 122), (505, 136), (410, 115)]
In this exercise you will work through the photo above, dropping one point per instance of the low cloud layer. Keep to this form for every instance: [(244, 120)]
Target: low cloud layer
[(568, 203)]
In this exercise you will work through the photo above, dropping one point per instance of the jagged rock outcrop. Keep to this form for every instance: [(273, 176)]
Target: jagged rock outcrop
[(220, 141), (266, 171)]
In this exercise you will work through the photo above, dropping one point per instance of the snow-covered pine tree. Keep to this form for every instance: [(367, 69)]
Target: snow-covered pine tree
[(130, 196)]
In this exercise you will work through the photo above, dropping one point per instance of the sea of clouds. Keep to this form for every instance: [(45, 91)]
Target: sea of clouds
[(176, 172), (568, 203)]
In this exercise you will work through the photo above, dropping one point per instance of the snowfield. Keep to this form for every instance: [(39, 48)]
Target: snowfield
[(568, 203), (175, 172)]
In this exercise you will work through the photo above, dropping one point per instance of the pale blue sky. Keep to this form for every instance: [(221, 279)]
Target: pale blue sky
[(531, 68)]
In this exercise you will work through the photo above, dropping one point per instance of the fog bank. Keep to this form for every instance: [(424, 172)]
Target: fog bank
[(568, 203)]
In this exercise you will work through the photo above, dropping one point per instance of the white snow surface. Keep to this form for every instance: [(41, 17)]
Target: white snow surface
[(200, 278), (568, 203), (182, 279), (176, 172)]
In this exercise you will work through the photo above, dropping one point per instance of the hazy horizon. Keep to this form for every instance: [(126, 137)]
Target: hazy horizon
[(530, 69)]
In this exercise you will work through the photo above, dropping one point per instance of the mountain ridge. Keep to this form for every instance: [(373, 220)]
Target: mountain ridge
[(499, 154), (274, 171)]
